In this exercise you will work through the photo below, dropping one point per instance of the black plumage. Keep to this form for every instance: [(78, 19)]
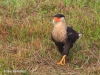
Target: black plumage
[(59, 15)]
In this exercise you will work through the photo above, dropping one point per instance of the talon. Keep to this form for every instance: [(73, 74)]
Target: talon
[(62, 62), (59, 63)]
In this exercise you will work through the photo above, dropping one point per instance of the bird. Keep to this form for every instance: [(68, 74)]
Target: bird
[(63, 36)]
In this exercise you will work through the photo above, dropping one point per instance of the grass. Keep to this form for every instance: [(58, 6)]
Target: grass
[(25, 37)]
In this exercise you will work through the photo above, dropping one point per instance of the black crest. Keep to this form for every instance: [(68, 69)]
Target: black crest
[(59, 15)]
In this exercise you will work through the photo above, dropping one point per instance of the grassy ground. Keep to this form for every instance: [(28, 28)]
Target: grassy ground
[(25, 37)]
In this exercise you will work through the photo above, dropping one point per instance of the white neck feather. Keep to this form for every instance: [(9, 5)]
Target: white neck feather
[(59, 32)]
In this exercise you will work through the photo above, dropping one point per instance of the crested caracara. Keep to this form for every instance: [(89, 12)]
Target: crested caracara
[(64, 37)]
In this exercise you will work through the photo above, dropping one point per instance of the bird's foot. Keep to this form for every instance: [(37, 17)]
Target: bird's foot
[(62, 62)]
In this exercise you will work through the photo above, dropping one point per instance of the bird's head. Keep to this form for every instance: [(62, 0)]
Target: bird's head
[(58, 18)]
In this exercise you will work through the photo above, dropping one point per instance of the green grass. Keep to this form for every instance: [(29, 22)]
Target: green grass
[(25, 36)]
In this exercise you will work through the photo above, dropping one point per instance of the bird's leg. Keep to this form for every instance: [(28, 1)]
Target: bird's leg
[(62, 62)]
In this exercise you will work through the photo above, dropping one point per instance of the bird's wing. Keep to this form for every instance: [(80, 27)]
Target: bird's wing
[(72, 34)]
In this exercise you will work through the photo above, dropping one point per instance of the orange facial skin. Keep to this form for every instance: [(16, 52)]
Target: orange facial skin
[(56, 19)]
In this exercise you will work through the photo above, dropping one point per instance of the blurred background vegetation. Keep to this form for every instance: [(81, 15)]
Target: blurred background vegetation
[(25, 36)]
